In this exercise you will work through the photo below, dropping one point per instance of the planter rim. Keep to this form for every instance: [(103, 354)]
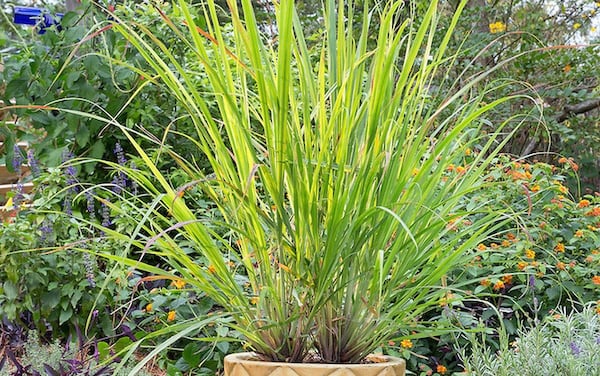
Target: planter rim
[(382, 361)]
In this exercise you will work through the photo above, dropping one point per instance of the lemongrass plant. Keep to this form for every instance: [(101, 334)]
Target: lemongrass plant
[(330, 171)]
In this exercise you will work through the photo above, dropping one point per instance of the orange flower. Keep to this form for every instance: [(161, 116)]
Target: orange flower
[(574, 166), (494, 245), (560, 247), (560, 265), (521, 265), (579, 234), (467, 152), (583, 203), (589, 259), (563, 160), (406, 344), (596, 280), (485, 282), (441, 369), (535, 188), (254, 300), (505, 243), (149, 307), (498, 286), (171, 316), (450, 167), (510, 236), (507, 279), (212, 269), (460, 170), (481, 247), (567, 68)]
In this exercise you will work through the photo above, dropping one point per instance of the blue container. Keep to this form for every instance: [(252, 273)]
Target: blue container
[(36, 16)]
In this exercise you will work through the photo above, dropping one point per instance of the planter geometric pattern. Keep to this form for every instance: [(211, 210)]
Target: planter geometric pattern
[(245, 364)]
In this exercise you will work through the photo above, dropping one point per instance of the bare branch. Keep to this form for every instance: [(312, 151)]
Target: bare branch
[(579, 108)]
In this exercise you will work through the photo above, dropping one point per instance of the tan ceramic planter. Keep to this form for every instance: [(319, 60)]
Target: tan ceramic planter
[(245, 364)]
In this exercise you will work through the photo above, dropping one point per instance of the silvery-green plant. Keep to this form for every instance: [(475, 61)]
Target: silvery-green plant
[(329, 168), (564, 344)]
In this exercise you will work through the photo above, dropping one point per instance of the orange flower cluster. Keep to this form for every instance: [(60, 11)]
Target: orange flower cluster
[(595, 212), (583, 203), (596, 280), (441, 369), (498, 286), (406, 344), (570, 161), (507, 279), (530, 254)]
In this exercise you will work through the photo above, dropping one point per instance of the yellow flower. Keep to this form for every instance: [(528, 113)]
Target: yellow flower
[(567, 68), (212, 269), (505, 243), (178, 283), (563, 189), (171, 316), (415, 172), (497, 27), (507, 279), (530, 254), (576, 25), (521, 265), (498, 285), (579, 234), (536, 188), (254, 300), (467, 152), (406, 343), (560, 247), (593, 29), (149, 307)]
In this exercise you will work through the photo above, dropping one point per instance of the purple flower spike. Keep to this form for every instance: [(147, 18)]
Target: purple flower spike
[(91, 207), (575, 349), (17, 161), (33, 163), (106, 222), (120, 155), (532, 281), (67, 209)]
